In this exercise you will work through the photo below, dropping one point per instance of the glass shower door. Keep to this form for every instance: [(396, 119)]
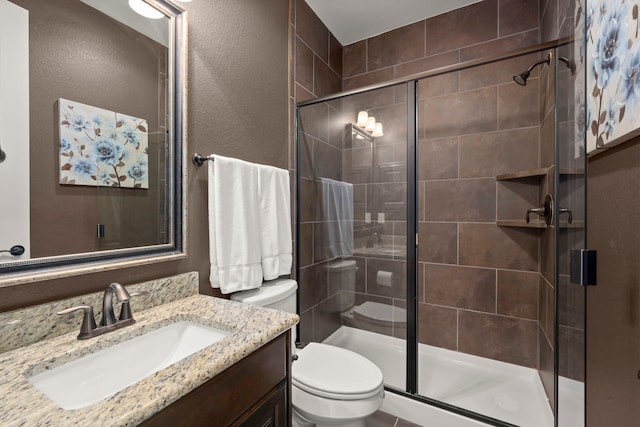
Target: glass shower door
[(497, 318), (354, 295), (570, 211)]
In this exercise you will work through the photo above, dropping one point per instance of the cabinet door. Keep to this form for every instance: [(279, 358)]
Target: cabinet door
[(270, 412)]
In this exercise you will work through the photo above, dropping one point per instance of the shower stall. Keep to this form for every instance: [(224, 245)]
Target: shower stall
[(440, 244)]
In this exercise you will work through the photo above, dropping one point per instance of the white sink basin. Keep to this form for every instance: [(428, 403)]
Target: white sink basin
[(95, 377)]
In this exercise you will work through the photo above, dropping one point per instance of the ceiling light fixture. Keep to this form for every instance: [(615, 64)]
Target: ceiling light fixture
[(145, 9)]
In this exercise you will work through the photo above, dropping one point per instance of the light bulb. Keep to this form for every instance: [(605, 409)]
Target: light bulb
[(371, 124), (363, 117), (377, 132), (145, 9)]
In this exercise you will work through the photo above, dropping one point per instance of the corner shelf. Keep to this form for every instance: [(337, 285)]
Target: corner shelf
[(531, 173), (539, 174), (521, 223)]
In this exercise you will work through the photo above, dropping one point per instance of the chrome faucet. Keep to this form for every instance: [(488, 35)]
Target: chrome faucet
[(108, 317), (375, 238), (89, 329)]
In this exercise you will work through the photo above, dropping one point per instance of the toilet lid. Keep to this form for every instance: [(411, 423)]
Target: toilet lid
[(333, 372)]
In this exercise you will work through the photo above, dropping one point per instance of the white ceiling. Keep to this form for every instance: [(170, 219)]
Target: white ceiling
[(354, 20)]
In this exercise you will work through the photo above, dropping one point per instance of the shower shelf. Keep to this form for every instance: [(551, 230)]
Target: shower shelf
[(520, 223), (532, 173), (536, 174), (535, 224)]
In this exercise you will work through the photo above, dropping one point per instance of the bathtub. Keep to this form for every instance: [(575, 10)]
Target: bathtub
[(499, 390)]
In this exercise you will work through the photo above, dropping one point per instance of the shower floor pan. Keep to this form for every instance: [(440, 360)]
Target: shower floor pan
[(499, 390)]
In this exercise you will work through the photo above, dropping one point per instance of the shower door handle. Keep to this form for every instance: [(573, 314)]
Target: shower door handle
[(546, 211)]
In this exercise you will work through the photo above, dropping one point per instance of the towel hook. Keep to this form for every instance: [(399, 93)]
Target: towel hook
[(199, 159), (16, 250)]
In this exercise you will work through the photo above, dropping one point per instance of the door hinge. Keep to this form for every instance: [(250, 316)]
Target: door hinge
[(584, 267)]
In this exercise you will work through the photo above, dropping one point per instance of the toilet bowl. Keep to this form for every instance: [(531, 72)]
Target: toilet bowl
[(331, 386)]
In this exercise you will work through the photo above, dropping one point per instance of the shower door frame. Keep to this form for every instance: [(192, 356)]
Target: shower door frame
[(411, 384)]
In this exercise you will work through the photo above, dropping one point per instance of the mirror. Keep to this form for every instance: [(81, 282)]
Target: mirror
[(91, 135)]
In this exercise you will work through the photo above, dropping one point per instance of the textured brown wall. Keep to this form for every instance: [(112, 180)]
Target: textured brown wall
[(238, 89), (613, 306)]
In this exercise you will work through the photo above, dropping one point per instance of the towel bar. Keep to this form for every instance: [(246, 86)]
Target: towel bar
[(199, 159)]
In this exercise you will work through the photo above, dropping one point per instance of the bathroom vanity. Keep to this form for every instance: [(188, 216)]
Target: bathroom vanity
[(252, 392), (241, 379)]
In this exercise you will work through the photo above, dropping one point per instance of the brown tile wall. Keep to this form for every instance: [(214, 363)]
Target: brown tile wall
[(475, 124), (316, 71), (317, 55), (482, 29), (471, 120)]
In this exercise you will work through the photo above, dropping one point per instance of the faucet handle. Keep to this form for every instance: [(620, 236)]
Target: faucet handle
[(88, 321), (138, 293), (125, 310)]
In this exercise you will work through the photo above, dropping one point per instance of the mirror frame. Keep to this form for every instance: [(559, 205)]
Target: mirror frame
[(47, 268)]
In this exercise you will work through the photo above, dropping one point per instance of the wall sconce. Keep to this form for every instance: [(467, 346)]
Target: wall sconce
[(368, 123)]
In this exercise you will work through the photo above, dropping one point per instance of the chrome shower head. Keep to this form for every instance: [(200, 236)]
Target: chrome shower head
[(521, 78)]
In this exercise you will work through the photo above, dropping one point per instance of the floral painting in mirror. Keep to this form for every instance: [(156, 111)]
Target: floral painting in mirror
[(613, 79), (103, 148)]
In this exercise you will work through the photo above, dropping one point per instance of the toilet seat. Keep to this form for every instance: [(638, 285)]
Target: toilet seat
[(380, 313), (335, 373)]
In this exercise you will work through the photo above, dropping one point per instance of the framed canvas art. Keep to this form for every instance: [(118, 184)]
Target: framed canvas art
[(103, 148), (613, 74)]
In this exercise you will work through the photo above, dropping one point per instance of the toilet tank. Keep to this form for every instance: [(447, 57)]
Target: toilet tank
[(342, 275), (277, 294)]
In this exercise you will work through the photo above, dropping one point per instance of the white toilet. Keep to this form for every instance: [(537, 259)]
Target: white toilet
[(370, 315), (332, 386)]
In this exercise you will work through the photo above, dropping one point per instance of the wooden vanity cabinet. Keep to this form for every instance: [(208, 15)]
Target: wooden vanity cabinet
[(254, 392)]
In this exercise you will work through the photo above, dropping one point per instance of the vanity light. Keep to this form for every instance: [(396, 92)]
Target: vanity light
[(144, 9), (366, 127), (377, 132), (363, 119), (371, 124)]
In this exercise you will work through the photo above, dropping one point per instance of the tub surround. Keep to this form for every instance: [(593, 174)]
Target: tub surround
[(22, 404)]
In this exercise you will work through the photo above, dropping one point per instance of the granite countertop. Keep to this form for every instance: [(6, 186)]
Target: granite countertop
[(22, 404)]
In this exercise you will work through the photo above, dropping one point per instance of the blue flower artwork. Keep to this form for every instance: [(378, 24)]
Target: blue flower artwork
[(102, 148), (613, 77)]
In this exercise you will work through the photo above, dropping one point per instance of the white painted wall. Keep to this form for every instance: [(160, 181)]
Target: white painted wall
[(14, 129)]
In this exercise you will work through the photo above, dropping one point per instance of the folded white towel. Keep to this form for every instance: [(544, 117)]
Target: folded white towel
[(234, 234), (275, 221)]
